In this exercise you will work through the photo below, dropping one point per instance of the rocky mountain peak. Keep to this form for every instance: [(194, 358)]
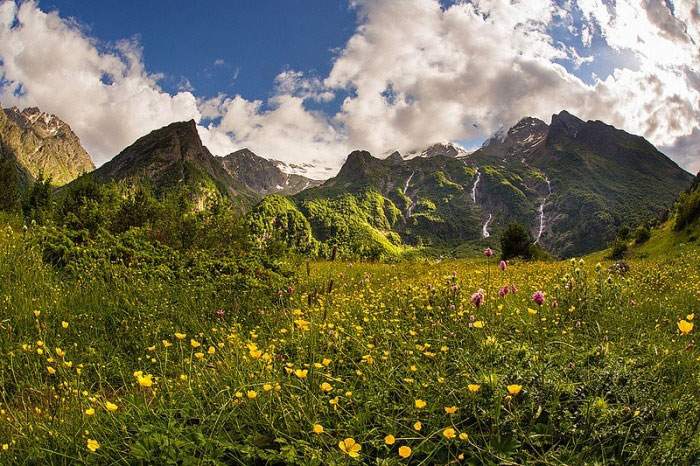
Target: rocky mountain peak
[(42, 143), (567, 123)]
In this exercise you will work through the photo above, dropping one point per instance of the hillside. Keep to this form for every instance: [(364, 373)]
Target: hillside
[(174, 157), (264, 176), (572, 183), (40, 143)]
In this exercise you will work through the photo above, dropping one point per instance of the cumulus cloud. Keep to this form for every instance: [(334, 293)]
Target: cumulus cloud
[(414, 72), (107, 96)]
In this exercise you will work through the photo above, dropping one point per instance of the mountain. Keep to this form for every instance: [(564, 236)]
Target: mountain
[(264, 176), (174, 156), (572, 183), (40, 143)]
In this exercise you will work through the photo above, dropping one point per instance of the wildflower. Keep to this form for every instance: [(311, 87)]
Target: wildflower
[(267, 387), (318, 429), (474, 387), (51, 370), (449, 433), (514, 389), (464, 436), (685, 327), (301, 373), (404, 451), (180, 336), (418, 425), (420, 404), (350, 447), (93, 445), (390, 439), (194, 343), (503, 291), (326, 387), (531, 311), (450, 409), (145, 381), (167, 344), (64, 324), (252, 394), (538, 297), (90, 411), (488, 252), (690, 317), (211, 350), (111, 407), (478, 324), (220, 313), (5, 447), (199, 355), (477, 298), (326, 362), (503, 265)]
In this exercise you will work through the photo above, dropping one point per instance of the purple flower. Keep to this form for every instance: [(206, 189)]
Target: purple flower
[(513, 289), (488, 252), (503, 265), (503, 292), (220, 313), (478, 298), (538, 297)]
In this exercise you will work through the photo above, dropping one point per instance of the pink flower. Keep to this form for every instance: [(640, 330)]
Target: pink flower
[(503, 265), (478, 298), (513, 289), (538, 297), (488, 252), (220, 313), (503, 291)]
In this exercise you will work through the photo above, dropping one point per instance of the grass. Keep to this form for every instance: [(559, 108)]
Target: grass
[(150, 370)]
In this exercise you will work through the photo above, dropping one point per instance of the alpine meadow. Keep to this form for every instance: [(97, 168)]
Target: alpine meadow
[(209, 257)]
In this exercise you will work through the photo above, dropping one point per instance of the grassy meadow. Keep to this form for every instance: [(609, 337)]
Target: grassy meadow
[(347, 363)]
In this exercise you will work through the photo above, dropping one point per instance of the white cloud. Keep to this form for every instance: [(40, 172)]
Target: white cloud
[(107, 97), (414, 72)]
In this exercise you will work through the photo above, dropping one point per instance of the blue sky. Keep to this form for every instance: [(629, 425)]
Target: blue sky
[(308, 81), (256, 39)]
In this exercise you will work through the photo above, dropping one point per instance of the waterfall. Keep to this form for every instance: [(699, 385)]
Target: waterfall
[(541, 211), (485, 229), (476, 183)]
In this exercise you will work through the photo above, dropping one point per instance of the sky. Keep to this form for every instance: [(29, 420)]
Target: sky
[(308, 81)]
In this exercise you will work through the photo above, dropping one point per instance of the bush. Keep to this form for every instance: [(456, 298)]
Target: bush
[(618, 249), (688, 209), (516, 242), (642, 234)]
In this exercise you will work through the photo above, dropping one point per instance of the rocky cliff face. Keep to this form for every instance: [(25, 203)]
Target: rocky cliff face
[(264, 176), (40, 143)]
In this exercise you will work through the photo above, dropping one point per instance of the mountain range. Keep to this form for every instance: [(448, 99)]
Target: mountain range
[(572, 183)]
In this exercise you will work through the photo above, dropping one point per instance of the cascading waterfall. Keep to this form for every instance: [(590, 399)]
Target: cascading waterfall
[(476, 183), (541, 210), (411, 204), (485, 229)]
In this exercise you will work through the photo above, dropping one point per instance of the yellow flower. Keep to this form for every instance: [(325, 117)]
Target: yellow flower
[(111, 407), (464, 436), (199, 355), (326, 387), (301, 373), (449, 433), (450, 409), (418, 425), (211, 350), (531, 311), (478, 324), (350, 447), (90, 411), (685, 327), (404, 451), (146, 381), (5, 447), (195, 343), (514, 389), (318, 429), (474, 387), (252, 394), (180, 336), (267, 387), (92, 445), (390, 439), (326, 362), (51, 370), (64, 324), (420, 404), (690, 316)]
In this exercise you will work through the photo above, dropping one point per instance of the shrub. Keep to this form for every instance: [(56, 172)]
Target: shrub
[(688, 209), (618, 249), (516, 242), (642, 234)]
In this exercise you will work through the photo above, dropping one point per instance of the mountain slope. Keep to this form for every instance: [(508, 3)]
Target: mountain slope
[(172, 157), (572, 183), (40, 143), (264, 176)]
